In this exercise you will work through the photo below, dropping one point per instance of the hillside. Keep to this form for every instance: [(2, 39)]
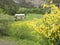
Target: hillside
[(8, 6)]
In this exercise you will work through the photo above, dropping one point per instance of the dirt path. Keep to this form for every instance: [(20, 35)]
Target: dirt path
[(7, 42)]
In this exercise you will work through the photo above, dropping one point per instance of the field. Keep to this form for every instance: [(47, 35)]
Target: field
[(32, 16)]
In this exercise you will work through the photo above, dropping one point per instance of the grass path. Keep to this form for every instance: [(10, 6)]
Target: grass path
[(4, 42), (8, 41)]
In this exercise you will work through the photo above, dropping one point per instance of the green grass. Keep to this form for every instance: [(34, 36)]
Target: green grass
[(32, 16), (24, 41), (18, 41)]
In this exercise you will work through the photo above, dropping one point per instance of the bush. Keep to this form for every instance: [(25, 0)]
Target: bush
[(31, 10), (4, 20), (26, 31), (20, 30), (1, 11), (49, 26), (28, 42), (22, 10)]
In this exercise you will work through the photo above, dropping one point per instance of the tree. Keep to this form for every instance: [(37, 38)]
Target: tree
[(9, 6)]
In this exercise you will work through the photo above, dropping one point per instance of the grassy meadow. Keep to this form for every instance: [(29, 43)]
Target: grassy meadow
[(32, 16)]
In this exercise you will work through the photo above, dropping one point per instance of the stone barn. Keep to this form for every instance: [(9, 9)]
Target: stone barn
[(20, 16)]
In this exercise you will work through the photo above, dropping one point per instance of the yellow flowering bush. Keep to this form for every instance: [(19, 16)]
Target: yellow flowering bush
[(50, 28), (50, 25)]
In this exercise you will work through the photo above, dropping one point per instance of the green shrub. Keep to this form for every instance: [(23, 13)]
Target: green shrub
[(31, 10), (26, 32), (1, 11), (22, 10), (29, 42), (49, 26), (19, 30), (4, 20)]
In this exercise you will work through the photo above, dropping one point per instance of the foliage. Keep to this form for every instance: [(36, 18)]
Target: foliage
[(9, 6), (4, 20), (28, 42), (6, 17), (31, 10), (25, 31), (2, 11), (20, 30), (22, 10), (50, 26)]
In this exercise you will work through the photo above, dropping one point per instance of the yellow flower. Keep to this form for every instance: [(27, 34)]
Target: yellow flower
[(52, 44), (45, 6)]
